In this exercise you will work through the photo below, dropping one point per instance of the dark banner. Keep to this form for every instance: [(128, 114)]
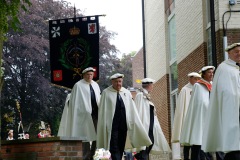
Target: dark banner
[(74, 46)]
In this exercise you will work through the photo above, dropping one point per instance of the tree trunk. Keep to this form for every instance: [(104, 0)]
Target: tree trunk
[(1, 51), (1, 83)]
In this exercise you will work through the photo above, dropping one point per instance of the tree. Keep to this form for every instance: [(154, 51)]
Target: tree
[(26, 56), (27, 73), (9, 19), (125, 67), (108, 57)]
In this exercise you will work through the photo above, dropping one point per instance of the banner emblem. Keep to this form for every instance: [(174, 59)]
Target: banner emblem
[(74, 46)]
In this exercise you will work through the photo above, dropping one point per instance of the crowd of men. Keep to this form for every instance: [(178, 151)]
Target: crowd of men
[(206, 117), (207, 112), (111, 119)]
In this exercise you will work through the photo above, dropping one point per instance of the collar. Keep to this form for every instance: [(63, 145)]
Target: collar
[(231, 61), (84, 81), (189, 85), (206, 83), (145, 94), (114, 90), (145, 91), (234, 63)]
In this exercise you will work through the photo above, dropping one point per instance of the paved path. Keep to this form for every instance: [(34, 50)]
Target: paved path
[(161, 157)]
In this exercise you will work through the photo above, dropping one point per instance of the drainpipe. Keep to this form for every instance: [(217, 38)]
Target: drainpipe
[(144, 44), (213, 35)]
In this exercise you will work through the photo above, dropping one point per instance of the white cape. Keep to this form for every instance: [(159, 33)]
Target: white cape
[(222, 133), (137, 135), (63, 123), (143, 106), (181, 111), (80, 124), (194, 122)]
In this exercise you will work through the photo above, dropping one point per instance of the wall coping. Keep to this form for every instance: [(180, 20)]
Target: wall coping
[(37, 140)]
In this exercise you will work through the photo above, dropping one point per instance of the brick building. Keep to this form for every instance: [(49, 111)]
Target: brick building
[(138, 67), (178, 41)]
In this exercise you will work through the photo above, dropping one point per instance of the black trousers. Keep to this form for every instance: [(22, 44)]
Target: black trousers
[(117, 144), (144, 154), (234, 155), (220, 155), (89, 150), (198, 154), (186, 150), (196, 151)]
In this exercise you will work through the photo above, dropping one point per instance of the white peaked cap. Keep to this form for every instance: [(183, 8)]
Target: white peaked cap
[(206, 68), (147, 80), (117, 75), (232, 46), (194, 74), (89, 69)]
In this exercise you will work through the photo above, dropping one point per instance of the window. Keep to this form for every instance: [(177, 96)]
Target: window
[(208, 32), (172, 38), (173, 78), (209, 47), (174, 96)]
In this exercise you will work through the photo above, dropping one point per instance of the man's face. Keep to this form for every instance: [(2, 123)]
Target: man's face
[(150, 87), (10, 134), (88, 76), (208, 76), (193, 80), (117, 83), (26, 136), (234, 54)]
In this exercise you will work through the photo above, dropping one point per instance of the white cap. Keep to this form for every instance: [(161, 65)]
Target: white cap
[(117, 75), (89, 69), (206, 68), (147, 80), (232, 46), (194, 74)]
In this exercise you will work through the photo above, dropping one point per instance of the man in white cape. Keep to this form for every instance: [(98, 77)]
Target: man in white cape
[(195, 118), (222, 132), (180, 114), (148, 116), (118, 119), (83, 112)]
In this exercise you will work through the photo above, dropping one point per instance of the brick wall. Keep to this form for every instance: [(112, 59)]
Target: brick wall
[(219, 46), (138, 68), (233, 36), (41, 149), (192, 63), (198, 58), (161, 99)]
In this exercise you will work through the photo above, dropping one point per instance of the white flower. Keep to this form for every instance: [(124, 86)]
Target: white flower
[(101, 154)]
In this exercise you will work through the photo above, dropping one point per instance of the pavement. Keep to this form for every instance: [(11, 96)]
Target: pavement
[(164, 156)]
